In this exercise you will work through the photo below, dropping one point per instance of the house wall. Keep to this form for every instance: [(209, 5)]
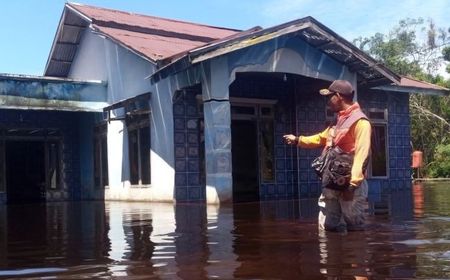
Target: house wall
[(307, 117), (299, 110), (284, 55), (285, 158), (398, 142), (86, 123), (310, 118), (175, 174), (125, 73)]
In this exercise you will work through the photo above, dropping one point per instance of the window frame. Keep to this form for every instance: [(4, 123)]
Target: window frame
[(100, 135), (48, 183), (379, 122), (135, 123)]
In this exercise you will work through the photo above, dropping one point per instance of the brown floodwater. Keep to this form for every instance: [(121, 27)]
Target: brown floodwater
[(408, 236)]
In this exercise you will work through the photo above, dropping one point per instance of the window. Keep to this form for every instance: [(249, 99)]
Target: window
[(266, 140), (378, 157), (52, 162), (378, 166), (139, 148), (100, 156)]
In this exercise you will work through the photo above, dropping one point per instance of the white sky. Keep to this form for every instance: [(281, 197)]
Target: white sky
[(27, 27)]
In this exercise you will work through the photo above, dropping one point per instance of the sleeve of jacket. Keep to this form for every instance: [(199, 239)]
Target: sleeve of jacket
[(314, 141), (362, 132)]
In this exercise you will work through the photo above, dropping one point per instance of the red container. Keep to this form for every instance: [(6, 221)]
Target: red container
[(417, 159)]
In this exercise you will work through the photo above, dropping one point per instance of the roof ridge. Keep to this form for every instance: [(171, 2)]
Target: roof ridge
[(75, 5)]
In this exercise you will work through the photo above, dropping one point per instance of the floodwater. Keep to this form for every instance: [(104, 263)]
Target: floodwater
[(408, 236)]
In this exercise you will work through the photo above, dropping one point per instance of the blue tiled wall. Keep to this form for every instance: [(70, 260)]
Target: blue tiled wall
[(285, 185), (189, 147), (398, 131), (310, 108), (302, 113), (67, 124), (294, 175)]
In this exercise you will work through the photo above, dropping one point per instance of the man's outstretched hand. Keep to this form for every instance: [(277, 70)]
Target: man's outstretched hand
[(290, 139)]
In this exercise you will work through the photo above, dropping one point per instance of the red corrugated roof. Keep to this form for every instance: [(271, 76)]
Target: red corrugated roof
[(154, 37), (153, 46), (409, 82)]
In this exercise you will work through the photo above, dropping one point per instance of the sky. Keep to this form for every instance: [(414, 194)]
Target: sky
[(28, 27)]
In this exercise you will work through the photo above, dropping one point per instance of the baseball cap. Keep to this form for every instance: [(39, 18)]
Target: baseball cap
[(341, 86)]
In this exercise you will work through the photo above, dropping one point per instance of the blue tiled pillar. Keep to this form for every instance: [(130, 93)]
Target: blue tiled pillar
[(219, 183), (189, 183), (215, 91)]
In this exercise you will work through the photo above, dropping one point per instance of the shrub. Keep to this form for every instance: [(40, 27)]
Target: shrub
[(440, 167)]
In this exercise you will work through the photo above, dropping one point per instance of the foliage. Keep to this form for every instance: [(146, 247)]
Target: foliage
[(413, 48), (418, 49), (429, 123), (440, 167)]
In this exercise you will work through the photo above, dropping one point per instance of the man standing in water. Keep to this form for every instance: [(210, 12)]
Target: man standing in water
[(342, 208)]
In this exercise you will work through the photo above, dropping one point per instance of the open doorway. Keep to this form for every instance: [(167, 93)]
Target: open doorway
[(252, 144), (245, 160), (25, 171)]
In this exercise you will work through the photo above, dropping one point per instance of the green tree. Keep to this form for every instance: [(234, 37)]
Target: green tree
[(440, 167), (418, 49)]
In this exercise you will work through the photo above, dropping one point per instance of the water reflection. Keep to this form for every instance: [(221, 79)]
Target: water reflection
[(40, 239), (408, 233), (191, 249), (222, 261)]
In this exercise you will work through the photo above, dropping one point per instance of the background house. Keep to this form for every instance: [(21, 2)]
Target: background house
[(179, 111)]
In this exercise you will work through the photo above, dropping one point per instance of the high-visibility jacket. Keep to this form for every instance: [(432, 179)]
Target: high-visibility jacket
[(355, 139)]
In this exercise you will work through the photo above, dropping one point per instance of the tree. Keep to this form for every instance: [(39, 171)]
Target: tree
[(441, 166), (418, 49)]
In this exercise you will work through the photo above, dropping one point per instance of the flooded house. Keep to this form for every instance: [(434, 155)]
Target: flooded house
[(141, 108)]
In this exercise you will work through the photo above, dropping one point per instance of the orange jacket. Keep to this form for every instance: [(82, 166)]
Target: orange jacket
[(356, 140)]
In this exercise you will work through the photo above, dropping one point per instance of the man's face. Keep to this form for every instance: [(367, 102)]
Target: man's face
[(334, 102)]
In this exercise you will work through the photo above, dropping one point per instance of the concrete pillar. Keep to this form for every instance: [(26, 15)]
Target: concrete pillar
[(219, 183)]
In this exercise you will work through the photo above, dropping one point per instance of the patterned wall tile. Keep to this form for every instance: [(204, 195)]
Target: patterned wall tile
[(181, 193), (188, 148)]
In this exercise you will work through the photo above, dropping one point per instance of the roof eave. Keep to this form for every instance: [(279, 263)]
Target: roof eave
[(58, 32), (410, 89), (208, 52), (94, 28)]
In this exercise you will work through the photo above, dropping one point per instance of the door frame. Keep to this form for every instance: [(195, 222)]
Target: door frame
[(257, 116), (48, 136)]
